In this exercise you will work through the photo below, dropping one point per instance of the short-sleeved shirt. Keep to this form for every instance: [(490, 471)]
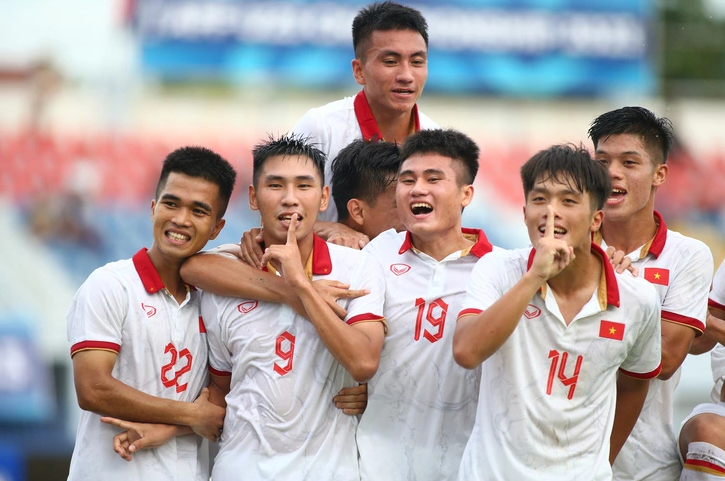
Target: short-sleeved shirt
[(716, 301), (547, 400), (281, 422), (124, 308), (421, 404), (680, 270), (335, 125)]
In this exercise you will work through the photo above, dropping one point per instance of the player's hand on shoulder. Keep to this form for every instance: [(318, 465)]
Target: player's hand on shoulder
[(352, 400), (250, 246), (620, 261), (138, 436), (286, 258), (331, 291), (340, 234), (210, 417), (552, 254)]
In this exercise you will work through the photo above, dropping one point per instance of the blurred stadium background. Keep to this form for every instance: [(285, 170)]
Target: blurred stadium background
[(94, 94)]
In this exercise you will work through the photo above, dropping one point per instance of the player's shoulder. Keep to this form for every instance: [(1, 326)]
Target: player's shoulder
[(346, 255), (112, 273), (426, 123), (385, 239), (341, 107), (679, 246), (636, 289)]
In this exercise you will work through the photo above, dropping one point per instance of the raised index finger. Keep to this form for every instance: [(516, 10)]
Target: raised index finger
[(291, 232), (549, 230)]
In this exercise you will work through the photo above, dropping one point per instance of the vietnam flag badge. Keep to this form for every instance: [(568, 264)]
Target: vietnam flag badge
[(611, 330), (657, 275)]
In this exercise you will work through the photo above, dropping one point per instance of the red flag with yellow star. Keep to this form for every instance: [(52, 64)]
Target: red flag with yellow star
[(611, 330), (657, 275)]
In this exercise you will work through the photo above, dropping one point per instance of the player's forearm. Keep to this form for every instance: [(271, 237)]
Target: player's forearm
[(352, 347), (477, 337), (631, 394), (676, 342), (714, 333), (118, 400), (225, 276)]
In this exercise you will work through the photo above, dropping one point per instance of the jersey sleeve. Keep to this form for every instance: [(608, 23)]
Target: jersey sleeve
[(491, 277), (717, 294), (97, 313), (644, 359), (368, 308), (686, 299), (212, 313)]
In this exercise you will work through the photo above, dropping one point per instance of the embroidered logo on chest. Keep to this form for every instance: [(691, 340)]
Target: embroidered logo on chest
[(245, 307), (150, 310), (532, 312), (399, 269)]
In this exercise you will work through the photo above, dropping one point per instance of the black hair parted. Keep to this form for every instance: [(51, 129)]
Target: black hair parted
[(572, 165), (655, 132), (363, 170), (203, 163), (447, 143), (287, 145), (385, 16)]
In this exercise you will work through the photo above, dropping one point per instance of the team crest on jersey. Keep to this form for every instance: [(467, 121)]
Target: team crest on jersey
[(532, 312), (245, 307), (150, 310), (399, 269)]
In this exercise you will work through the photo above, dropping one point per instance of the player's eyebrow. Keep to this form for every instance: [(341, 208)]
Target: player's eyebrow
[(281, 178), (544, 190), (628, 152), (395, 53), (177, 199)]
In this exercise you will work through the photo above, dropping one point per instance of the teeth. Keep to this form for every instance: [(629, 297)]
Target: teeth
[(178, 237), (618, 191), (421, 205), (559, 231)]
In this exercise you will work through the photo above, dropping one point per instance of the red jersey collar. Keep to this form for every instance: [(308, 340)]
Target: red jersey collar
[(610, 278), (366, 121), (147, 272), (479, 249), (321, 261), (658, 241)]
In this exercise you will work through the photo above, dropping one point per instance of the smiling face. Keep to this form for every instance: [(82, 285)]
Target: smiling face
[(429, 197), (288, 185), (184, 218), (575, 219), (393, 70), (634, 173)]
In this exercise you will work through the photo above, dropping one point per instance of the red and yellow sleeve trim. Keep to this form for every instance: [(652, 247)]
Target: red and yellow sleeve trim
[(469, 312), (368, 317), (94, 345), (696, 324), (643, 375), (715, 305), (217, 372), (704, 467)]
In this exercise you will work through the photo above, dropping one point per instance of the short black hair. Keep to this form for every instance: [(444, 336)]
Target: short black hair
[(572, 165), (203, 163), (655, 132), (385, 16), (447, 143), (288, 145), (363, 170)]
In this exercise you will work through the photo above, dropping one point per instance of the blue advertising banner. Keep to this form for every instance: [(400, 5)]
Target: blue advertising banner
[(514, 47)]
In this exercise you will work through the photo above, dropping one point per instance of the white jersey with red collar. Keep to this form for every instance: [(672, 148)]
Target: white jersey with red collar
[(281, 422), (421, 404), (335, 125), (124, 308), (716, 302), (680, 269), (547, 400)]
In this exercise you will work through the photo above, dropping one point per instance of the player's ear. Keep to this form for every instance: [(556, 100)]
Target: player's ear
[(153, 207), (253, 198), (217, 229), (661, 171), (596, 220), (355, 210), (357, 71), (325, 198), (467, 195)]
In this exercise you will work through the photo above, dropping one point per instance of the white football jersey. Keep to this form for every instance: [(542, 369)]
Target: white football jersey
[(335, 125), (123, 307), (547, 399), (680, 269), (421, 404), (717, 355), (281, 422)]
